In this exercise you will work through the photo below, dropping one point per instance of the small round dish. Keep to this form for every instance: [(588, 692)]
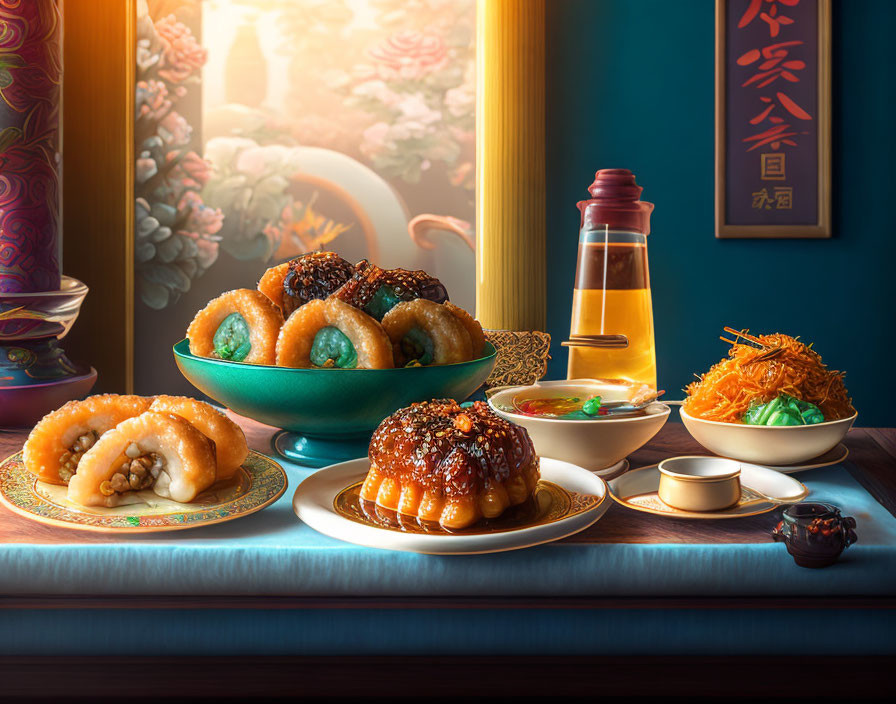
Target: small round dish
[(695, 483), (329, 413), (595, 444), (259, 483), (584, 502), (762, 490), (767, 445)]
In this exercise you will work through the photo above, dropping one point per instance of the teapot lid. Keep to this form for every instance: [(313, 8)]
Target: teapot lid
[(615, 202)]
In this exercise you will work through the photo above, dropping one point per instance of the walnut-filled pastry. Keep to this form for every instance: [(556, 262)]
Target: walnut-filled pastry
[(161, 452)]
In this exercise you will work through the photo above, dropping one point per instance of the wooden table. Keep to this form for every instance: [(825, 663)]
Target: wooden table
[(872, 462)]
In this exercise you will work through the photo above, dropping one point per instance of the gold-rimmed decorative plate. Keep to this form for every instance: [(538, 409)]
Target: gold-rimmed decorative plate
[(568, 500), (762, 490), (258, 483)]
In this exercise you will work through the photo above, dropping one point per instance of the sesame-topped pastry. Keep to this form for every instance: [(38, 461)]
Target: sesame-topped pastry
[(376, 291), (445, 463), (312, 276)]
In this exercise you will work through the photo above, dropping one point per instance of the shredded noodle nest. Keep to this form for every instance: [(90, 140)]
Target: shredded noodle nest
[(759, 372)]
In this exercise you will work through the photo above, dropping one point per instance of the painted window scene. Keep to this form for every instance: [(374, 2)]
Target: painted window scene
[(265, 129)]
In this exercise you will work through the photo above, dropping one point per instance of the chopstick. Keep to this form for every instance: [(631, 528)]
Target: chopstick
[(769, 352), (744, 335)]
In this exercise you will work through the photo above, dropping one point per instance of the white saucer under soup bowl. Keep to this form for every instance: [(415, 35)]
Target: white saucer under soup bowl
[(594, 444), (767, 444)]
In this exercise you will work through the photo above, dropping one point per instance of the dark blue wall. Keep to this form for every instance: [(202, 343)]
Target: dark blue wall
[(630, 85)]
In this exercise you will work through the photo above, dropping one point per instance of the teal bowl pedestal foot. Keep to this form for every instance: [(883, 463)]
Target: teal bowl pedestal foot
[(312, 451)]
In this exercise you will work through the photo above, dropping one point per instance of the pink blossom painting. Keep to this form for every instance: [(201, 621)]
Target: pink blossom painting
[(269, 128)]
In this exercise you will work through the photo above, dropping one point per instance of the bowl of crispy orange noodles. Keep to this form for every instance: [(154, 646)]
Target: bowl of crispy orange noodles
[(771, 401)]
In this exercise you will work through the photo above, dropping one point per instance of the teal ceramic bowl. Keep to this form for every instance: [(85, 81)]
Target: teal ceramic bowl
[(329, 413)]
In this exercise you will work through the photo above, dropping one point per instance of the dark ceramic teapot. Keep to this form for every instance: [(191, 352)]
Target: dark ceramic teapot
[(815, 534)]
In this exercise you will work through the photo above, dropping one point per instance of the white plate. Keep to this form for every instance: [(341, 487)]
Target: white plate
[(314, 497), (637, 490), (835, 456)]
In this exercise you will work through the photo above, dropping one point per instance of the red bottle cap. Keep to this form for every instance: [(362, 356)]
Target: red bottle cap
[(614, 202)]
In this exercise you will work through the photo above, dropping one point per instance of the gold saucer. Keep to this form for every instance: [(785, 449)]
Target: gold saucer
[(762, 490)]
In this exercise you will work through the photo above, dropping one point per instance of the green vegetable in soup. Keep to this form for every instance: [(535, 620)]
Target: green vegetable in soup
[(591, 406), (784, 410)]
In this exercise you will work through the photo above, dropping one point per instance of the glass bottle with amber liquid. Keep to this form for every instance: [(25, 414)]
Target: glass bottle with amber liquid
[(611, 334)]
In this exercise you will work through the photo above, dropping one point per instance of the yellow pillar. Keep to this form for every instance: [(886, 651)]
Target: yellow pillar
[(98, 183), (510, 168)]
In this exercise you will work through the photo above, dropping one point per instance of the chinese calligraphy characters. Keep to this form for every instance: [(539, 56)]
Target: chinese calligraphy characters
[(776, 68), (771, 18), (781, 198), (773, 118), (773, 167)]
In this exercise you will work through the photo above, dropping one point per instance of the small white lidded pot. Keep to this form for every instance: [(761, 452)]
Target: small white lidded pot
[(696, 483)]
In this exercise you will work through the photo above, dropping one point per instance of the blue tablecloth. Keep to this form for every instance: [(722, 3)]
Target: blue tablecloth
[(272, 553)]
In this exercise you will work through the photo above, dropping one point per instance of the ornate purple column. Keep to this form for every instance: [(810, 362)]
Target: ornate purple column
[(38, 306), (30, 97)]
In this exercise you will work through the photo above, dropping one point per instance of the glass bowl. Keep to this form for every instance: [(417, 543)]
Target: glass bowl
[(30, 316)]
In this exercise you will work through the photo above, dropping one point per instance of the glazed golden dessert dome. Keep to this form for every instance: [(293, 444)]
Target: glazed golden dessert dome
[(445, 463)]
